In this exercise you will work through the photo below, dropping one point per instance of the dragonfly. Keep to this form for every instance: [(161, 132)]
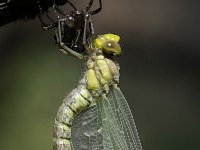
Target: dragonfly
[(96, 115)]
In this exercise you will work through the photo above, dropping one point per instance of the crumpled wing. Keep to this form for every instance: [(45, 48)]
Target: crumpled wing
[(108, 125)]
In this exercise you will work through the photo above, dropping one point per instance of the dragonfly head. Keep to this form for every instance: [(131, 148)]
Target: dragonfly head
[(108, 43)]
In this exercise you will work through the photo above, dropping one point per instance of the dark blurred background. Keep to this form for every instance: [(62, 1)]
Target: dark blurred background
[(160, 74)]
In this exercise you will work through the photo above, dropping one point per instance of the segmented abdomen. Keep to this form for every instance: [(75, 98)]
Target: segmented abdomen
[(79, 99)]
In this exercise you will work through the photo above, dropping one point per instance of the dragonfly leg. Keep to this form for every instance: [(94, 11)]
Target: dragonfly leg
[(88, 29), (98, 9), (64, 48), (89, 5), (60, 11), (72, 5)]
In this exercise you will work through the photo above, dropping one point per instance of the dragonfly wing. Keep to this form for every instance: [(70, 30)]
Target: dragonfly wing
[(108, 125), (124, 119), (113, 137), (85, 133)]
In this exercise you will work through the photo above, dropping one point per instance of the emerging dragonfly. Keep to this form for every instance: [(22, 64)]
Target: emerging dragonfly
[(95, 115), (107, 124)]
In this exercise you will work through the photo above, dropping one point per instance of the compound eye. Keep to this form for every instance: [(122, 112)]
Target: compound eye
[(112, 47)]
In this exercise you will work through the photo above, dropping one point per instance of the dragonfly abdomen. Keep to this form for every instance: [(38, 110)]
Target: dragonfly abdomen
[(79, 99)]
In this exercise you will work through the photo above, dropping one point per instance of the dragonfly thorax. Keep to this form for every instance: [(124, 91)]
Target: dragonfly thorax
[(101, 73)]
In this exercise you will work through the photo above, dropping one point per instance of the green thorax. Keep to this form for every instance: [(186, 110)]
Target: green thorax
[(101, 72)]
